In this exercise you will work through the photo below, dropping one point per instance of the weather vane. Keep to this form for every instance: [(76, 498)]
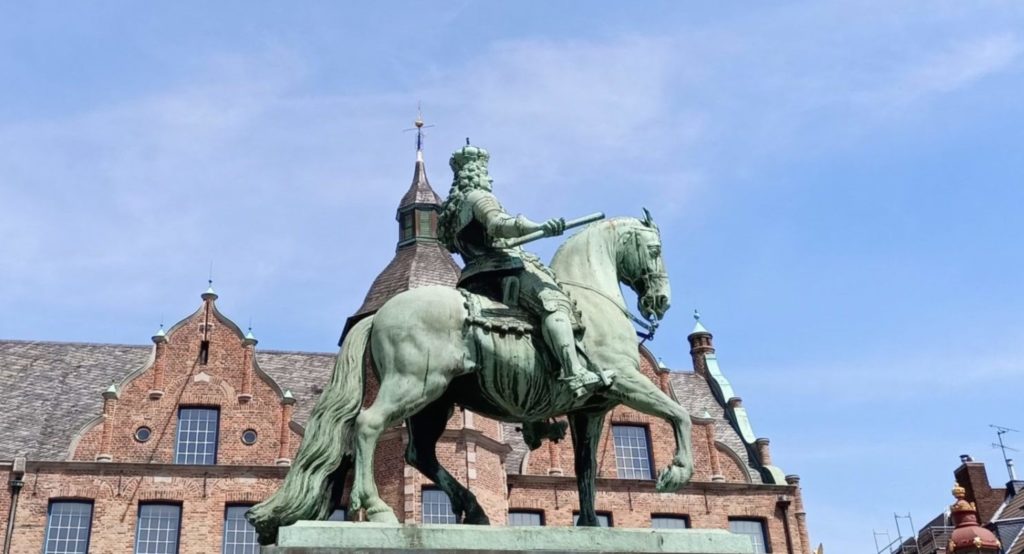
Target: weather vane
[(419, 126)]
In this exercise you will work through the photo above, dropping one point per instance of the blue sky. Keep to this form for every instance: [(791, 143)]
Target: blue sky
[(836, 185)]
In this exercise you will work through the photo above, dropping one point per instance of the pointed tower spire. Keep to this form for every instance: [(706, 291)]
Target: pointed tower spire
[(419, 258), (701, 345)]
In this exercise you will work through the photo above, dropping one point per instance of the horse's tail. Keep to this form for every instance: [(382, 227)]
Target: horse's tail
[(306, 493)]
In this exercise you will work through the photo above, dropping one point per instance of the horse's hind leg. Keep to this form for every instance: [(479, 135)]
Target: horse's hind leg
[(425, 428), (586, 435), (400, 397)]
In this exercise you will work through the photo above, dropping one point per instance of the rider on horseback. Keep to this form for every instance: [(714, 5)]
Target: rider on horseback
[(473, 224)]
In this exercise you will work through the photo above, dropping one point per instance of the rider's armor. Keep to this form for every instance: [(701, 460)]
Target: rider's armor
[(480, 235)]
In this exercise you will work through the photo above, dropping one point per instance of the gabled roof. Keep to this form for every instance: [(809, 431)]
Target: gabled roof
[(49, 390)]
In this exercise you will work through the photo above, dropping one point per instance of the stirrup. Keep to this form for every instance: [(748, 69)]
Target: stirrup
[(581, 382)]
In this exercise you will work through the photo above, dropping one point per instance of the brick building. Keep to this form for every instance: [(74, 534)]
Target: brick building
[(161, 448), (999, 509)]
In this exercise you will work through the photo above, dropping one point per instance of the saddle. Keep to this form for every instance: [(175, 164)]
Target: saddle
[(497, 310)]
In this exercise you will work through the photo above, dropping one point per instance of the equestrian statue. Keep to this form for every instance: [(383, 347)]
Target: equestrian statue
[(516, 341)]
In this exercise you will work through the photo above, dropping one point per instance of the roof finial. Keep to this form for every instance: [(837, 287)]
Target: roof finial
[(418, 127), (698, 327), (467, 141)]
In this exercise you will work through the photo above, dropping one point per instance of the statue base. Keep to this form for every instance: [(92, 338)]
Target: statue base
[(323, 537)]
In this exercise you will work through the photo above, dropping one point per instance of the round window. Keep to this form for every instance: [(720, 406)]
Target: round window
[(143, 433), (249, 436)]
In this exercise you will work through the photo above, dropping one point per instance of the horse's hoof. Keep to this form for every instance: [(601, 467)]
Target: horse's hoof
[(476, 517), (673, 478), (384, 515)]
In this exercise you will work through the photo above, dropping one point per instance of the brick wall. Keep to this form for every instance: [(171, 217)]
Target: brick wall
[(5, 502), (631, 504), (226, 381), (472, 449), (116, 491)]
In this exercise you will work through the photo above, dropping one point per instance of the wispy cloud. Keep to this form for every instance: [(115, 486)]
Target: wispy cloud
[(952, 68)]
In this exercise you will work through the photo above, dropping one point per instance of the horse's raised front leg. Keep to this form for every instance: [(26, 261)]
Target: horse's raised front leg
[(638, 392), (586, 435), (425, 428), (400, 397)]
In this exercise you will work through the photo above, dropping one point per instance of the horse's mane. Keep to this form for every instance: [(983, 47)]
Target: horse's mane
[(580, 239)]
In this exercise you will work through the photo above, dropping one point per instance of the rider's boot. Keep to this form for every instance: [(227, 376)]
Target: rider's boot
[(560, 338)]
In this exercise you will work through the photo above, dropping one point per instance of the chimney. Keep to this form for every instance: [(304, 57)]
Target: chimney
[(972, 476)]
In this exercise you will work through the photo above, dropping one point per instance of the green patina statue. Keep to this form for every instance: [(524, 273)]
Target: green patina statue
[(474, 225), (516, 341)]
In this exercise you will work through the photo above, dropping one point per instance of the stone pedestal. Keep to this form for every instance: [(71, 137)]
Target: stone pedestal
[(323, 537)]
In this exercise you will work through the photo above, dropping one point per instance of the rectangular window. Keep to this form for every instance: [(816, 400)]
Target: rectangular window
[(425, 227), (667, 521), (525, 518), (436, 507), (632, 451), (407, 226), (604, 519), (67, 527), (204, 352), (158, 529), (753, 528), (239, 534), (196, 441)]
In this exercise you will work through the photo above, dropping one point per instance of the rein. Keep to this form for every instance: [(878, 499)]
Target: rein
[(649, 326)]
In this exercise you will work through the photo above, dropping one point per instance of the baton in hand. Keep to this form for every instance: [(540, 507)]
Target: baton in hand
[(597, 216)]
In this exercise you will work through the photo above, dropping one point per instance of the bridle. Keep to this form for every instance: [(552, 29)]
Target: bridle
[(648, 276)]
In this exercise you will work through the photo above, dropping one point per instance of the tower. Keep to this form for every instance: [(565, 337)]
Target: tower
[(419, 258)]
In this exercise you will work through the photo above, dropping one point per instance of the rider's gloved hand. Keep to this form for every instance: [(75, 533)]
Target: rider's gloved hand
[(553, 227)]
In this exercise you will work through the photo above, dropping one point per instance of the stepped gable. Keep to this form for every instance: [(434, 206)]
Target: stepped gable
[(420, 260), (52, 389)]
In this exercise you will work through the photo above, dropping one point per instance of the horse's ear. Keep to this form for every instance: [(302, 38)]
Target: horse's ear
[(648, 220)]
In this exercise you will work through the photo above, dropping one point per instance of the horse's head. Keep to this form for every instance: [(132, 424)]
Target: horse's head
[(642, 268)]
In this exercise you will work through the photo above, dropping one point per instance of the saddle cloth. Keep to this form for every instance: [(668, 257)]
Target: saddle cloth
[(514, 367)]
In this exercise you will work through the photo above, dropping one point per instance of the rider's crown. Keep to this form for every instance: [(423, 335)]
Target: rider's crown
[(467, 155)]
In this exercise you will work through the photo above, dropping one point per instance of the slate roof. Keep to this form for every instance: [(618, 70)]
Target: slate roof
[(693, 392), (1009, 521), (420, 191), (50, 390), (415, 265)]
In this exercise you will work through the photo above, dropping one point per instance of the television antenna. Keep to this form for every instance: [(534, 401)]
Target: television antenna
[(1000, 431)]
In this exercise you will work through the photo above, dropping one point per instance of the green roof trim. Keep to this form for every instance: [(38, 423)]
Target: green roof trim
[(740, 421)]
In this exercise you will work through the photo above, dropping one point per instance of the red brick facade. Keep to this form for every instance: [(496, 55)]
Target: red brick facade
[(110, 467), (205, 361)]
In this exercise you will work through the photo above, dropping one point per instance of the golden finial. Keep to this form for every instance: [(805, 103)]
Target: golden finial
[(959, 492)]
